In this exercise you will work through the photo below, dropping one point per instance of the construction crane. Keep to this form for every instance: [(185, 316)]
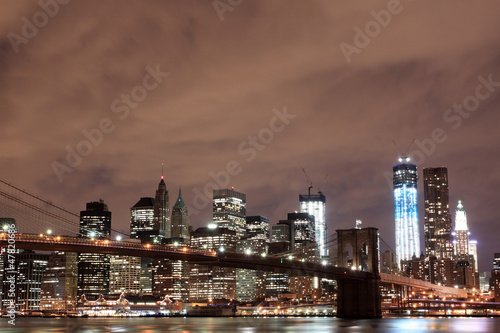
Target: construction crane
[(320, 189), (309, 182)]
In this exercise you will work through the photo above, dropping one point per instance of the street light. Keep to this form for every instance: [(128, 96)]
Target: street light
[(118, 238), (49, 231)]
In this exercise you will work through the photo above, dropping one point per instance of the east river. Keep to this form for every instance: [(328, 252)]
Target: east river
[(249, 325)]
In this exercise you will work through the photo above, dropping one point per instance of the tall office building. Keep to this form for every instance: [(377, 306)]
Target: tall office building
[(437, 223), (461, 233), (405, 209), (495, 275), (95, 221), (180, 221), (258, 227), (162, 210), (59, 282), (93, 268), (229, 210), (315, 204), (303, 228), (473, 253), (125, 273), (142, 218), (212, 282), (30, 267)]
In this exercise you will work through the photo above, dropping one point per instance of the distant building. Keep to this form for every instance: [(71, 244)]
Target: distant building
[(437, 223), (283, 232), (180, 221), (161, 213), (461, 234), (303, 228), (495, 276), (250, 283), (125, 274), (93, 268), (59, 282), (30, 267), (473, 253), (142, 217), (405, 208), (212, 282), (257, 227), (229, 210), (315, 204), (171, 277)]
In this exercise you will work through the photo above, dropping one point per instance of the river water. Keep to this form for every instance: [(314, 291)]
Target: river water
[(250, 325)]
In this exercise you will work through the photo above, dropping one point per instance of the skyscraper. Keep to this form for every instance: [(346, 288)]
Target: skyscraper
[(461, 233), (315, 204), (95, 221), (59, 282), (258, 227), (30, 267), (229, 210), (303, 228), (93, 268), (180, 221), (405, 209), (142, 218), (162, 210), (437, 223)]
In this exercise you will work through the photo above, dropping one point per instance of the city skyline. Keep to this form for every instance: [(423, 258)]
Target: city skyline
[(224, 80)]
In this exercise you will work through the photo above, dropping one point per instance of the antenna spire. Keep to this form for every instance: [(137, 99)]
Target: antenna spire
[(162, 171)]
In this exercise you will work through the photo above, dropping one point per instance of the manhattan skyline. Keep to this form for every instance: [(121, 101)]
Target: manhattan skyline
[(215, 105)]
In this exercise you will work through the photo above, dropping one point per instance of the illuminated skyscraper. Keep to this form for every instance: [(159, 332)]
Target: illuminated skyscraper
[(93, 268), (473, 253), (161, 212), (141, 217), (461, 233), (437, 223), (229, 210), (315, 205), (405, 209)]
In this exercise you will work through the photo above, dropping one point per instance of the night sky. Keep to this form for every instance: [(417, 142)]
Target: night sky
[(258, 88)]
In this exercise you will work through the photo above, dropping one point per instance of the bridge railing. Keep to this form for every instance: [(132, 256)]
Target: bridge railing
[(68, 240)]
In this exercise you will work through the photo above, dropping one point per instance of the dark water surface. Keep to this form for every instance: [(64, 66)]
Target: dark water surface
[(250, 325)]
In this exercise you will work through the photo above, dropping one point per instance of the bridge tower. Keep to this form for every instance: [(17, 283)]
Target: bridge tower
[(358, 250)]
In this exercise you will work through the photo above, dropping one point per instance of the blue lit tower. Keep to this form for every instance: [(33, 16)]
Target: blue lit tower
[(405, 209)]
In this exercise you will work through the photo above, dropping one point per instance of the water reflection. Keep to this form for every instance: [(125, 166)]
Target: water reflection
[(250, 325)]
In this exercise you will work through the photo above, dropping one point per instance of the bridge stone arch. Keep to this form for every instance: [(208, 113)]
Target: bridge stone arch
[(359, 299), (364, 242)]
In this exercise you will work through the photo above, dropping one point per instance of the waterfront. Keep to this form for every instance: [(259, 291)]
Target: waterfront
[(250, 325)]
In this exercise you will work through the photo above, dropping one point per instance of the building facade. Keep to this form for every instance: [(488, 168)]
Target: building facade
[(93, 268), (437, 219), (315, 204), (461, 233), (161, 213), (229, 210), (180, 221), (59, 282), (30, 268), (405, 209), (142, 217)]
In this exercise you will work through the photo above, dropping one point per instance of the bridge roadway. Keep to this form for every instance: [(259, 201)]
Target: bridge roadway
[(205, 257)]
